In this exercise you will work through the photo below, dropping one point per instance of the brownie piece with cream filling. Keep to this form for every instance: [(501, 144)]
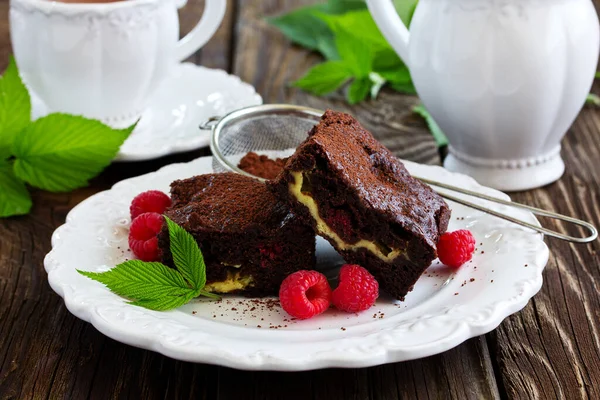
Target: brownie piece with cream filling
[(249, 238), (361, 198)]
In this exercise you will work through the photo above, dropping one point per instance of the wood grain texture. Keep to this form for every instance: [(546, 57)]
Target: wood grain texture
[(549, 350)]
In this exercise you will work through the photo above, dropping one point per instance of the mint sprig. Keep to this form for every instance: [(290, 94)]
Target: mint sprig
[(438, 135), (344, 32), (15, 108), (58, 152), (155, 286), (14, 197)]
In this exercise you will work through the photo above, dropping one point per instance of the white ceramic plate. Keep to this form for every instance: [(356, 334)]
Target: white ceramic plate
[(443, 310), (188, 98)]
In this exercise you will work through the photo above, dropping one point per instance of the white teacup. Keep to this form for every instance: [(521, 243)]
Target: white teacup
[(103, 60)]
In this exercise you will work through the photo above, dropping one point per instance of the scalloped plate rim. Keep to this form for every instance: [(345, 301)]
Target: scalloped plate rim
[(322, 359)]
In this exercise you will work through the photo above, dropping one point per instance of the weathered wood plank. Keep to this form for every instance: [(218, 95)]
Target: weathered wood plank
[(268, 61), (551, 348)]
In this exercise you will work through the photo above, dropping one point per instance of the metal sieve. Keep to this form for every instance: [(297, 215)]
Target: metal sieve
[(277, 129), (274, 130)]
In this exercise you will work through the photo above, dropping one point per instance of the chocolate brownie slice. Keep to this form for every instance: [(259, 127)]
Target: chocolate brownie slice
[(250, 240), (361, 198)]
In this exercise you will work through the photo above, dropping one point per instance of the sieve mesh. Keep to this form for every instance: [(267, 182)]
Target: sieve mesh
[(275, 130)]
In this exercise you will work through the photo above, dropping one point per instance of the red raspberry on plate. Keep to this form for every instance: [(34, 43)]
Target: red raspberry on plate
[(142, 236), (150, 201), (456, 248), (357, 290), (305, 294)]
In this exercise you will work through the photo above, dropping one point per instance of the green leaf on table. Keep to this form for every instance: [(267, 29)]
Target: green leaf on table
[(386, 60), (438, 135), (336, 7), (303, 27), (359, 89), (14, 197), (344, 31), (377, 82), (354, 52), (593, 99), (324, 78), (407, 88), (399, 79), (360, 24), (186, 255), (15, 107), (61, 152), (406, 10)]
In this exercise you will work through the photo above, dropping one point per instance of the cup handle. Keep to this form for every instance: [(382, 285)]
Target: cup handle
[(391, 26), (214, 12)]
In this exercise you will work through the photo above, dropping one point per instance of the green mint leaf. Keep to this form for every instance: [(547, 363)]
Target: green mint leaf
[(358, 23), (359, 89), (399, 79), (343, 6), (407, 88), (209, 295), (397, 75), (356, 53), (137, 280), (62, 152), (324, 78), (378, 82), (168, 302), (15, 108), (406, 9), (386, 60), (593, 100), (438, 135), (186, 255), (303, 27), (14, 197), (597, 74)]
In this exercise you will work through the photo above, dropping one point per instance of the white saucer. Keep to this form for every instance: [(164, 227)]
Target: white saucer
[(185, 100)]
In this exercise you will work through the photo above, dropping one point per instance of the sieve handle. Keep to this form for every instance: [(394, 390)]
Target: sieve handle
[(210, 123)]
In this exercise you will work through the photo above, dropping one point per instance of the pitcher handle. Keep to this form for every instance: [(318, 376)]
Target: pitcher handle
[(214, 12), (391, 26)]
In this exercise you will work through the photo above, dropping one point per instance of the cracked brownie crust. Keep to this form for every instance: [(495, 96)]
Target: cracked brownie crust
[(250, 240)]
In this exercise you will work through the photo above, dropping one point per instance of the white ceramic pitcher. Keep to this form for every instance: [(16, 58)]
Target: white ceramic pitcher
[(504, 79)]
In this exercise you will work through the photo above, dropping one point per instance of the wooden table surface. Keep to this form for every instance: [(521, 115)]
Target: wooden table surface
[(551, 349)]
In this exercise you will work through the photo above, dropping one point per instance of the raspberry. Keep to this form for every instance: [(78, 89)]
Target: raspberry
[(357, 290), (340, 222), (305, 294), (142, 236), (269, 254), (150, 201), (456, 248)]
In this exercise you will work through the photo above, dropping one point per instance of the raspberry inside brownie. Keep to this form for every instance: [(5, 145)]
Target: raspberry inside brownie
[(359, 197), (249, 238)]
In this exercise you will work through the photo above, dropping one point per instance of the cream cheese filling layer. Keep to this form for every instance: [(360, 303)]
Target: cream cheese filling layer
[(323, 229), (234, 281)]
